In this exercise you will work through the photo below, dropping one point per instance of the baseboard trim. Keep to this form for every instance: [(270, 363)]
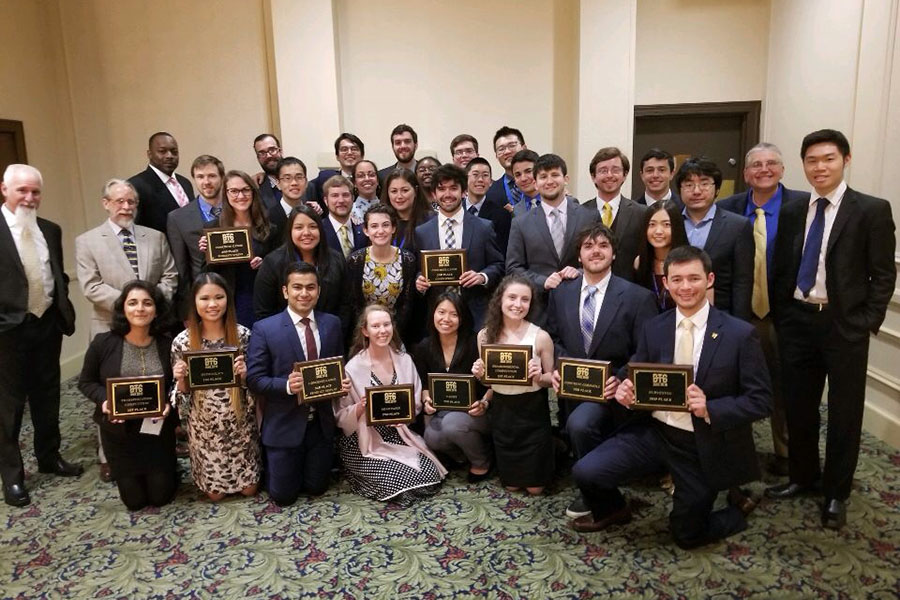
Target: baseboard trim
[(883, 425), (71, 366)]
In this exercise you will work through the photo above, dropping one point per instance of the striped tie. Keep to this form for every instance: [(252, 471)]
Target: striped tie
[(515, 192), (130, 250), (449, 237), (346, 246), (177, 191), (587, 318), (557, 231)]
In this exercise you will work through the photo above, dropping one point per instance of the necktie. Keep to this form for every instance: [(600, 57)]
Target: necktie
[(515, 192), (473, 210), (346, 246), (130, 251), (606, 214), (177, 191), (449, 237), (216, 211), (587, 318), (809, 261), (684, 353), (32, 264), (557, 232), (760, 298), (312, 353)]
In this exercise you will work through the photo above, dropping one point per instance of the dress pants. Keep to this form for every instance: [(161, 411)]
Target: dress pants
[(460, 436), (29, 371), (765, 328), (643, 448), (811, 351), (588, 425), (300, 469)]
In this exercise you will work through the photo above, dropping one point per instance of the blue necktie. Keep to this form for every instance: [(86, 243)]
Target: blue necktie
[(809, 261), (587, 318)]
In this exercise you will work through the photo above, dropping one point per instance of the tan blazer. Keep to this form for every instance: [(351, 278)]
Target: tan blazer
[(103, 269)]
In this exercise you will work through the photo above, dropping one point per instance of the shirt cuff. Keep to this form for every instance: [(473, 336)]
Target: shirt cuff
[(287, 388), (485, 278)]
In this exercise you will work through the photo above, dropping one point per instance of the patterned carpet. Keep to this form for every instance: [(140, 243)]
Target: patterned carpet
[(77, 541)]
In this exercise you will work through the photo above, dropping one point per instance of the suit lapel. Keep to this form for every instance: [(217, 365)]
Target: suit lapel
[(143, 249), (667, 354), (114, 249), (715, 229), (710, 345), (467, 230), (848, 205), (540, 219), (8, 245), (612, 300), (290, 333)]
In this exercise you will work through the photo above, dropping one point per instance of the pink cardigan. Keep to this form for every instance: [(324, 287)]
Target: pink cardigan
[(371, 445)]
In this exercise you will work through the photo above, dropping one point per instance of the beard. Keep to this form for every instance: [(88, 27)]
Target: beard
[(26, 217)]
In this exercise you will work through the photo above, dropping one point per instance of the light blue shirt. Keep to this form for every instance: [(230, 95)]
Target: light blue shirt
[(697, 233)]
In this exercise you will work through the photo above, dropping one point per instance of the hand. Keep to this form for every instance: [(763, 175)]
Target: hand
[(422, 284), (552, 281), (625, 394), (696, 401), (255, 262), (534, 370), (295, 382), (259, 178), (612, 385), (361, 409), (165, 414), (202, 242), (104, 408), (240, 366), (428, 405), (478, 408), (471, 279), (478, 369), (345, 386), (316, 207), (179, 370), (555, 379), (569, 273)]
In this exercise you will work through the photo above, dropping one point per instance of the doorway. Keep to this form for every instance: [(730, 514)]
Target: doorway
[(12, 144)]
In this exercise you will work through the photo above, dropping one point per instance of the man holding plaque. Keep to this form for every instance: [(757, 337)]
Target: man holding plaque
[(298, 438), (707, 449), (457, 229), (611, 315)]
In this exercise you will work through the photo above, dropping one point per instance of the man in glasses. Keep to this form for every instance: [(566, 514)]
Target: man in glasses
[(268, 153), (158, 186), (463, 148), (504, 191), (348, 150)]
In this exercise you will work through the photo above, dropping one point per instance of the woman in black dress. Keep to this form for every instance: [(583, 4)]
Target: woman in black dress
[(663, 230), (141, 453)]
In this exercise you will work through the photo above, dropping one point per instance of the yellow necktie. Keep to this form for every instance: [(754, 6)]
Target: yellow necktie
[(760, 298), (346, 246), (606, 214), (32, 264), (684, 353)]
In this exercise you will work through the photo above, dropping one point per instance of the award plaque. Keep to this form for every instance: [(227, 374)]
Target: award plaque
[(451, 392), (228, 245), (322, 379), (660, 386), (443, 267), (211, 369), (506, 364), (136, 397), (390, 405), (583, 379)]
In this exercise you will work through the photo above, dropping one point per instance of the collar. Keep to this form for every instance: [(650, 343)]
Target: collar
[(601, 285), (116, 229), (273, 181), (295, 318), (9, 215), (834, 197), (650, 199), (561, 207), (457, 216), (709, 216), (699, 318), (613, 204), (337, 224), (165, 178), (770, 207), (475, 204)]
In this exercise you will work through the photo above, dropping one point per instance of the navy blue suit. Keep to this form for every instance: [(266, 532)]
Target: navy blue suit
[(718, 455), (625, 309), (299, 450), (500, 217), (313, 191), (482, 256), (331, 238), (497, 193), (730, 246)]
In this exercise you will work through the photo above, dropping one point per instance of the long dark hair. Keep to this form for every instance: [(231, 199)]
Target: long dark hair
[(420, 207), (463, 334), (320, 254), (259, 221), (644, 273), (493, 319), (160, 322), (360, 341)]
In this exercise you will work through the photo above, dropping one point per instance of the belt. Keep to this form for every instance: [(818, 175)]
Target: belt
[(811, 306)]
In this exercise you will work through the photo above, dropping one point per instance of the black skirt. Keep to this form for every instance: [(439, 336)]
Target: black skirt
[(131, 452), (523, 440)]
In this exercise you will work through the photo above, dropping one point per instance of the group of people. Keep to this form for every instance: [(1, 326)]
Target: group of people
[(766, 282)]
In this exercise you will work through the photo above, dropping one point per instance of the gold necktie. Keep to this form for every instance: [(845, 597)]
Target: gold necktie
[(606, 214), (760, 298), (29, 255), (346, 246), (684, 352)]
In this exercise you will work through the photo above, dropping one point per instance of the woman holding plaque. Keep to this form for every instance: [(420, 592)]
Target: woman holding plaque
[(663, 230), (383, 462), (244, 208), (382, 273), (222, 431), (520, 415), (450, 348), (141, 452), (402, 191), (303, 241), (425, 168), (365, 180)]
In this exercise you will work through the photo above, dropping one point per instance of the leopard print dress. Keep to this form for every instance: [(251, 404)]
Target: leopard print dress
[(224, 446)]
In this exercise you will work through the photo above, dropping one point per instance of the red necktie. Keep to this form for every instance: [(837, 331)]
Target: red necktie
[(311, 352)]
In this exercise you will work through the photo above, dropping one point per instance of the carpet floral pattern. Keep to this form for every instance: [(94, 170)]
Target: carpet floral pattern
[(76, 540)]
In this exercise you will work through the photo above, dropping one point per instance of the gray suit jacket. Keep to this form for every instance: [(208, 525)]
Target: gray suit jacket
[(183, 228), (103, 269)]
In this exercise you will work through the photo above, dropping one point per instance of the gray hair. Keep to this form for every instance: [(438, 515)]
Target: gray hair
[(19, 170), (115, 181), (759, 148)]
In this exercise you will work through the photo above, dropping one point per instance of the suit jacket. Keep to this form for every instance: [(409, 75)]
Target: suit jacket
[(103, 268), (497, 193), (730, 246), (482, 256), (642, 199), (630, 235), (521, 209), (383, 173), (183, 229), (502, 220), (269, 194), (531, 251), (156, 201), (732, 373), (314, 192), (331, 238), (14, 292), (859, 262), (274, 348)]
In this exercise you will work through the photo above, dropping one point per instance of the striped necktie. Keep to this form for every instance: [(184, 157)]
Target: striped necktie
[(346, 246), (449, 238), (557, 231), (587, 318), (130, 249), (177, 191)]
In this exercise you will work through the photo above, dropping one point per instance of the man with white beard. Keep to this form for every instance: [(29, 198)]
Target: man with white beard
[(35, 312)]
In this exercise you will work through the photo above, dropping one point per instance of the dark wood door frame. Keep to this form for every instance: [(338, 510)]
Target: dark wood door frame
[(18, 132)]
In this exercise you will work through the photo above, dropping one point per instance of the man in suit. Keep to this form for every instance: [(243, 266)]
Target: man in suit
[(291, 173), (297, 438), (478, 172), (159, 187), (725, 236), (456, 228), (834, 276), (35, 313), (524, 177), (609, 168), (185, 225), (404, 142), (339, 232), (268, 152), (610, 317), (503, 192), (766, 198), (707, 449), (348, 150), (657, 170), (463, 148), (542, 242)]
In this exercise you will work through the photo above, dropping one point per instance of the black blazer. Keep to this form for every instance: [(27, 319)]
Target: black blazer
[(431, 360), (630, 235), (730, 246), (732, 373), (313, 191), (859, 262), (502, 220), (156, 201), (642, 199), (14, 292), (331, 238), (269, 194), (355, 299), (497, 193)]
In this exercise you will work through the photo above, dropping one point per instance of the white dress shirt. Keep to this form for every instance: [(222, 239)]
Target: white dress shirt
[(648, 200), (562, 212), (301, 333), (477, 205), (599, 295), (457, 228), (818, 294), (166, 179), (613, 204), (287, 208), (43, 251)]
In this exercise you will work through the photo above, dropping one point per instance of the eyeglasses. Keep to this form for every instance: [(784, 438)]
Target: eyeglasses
[(299, 178), (758, 165), (607, 171), (507, 147), (464, 152), (348, 150), (477, 175), (235, 192), (124, 201), (703, 185), (273, 151)]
